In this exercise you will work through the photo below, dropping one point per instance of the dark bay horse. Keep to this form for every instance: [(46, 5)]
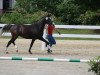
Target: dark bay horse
[(33, 31)]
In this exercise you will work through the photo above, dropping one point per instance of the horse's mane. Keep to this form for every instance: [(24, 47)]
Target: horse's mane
[(41, 19), (38, 21)]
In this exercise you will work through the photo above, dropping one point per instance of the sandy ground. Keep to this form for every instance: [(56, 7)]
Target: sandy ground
[(71, 49)]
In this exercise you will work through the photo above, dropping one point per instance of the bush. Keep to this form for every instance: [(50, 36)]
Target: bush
[(15, 18), (97, 31), (68, 12), (88, 18), (19, 18), (95, 66), (30, 18), (0, 18)]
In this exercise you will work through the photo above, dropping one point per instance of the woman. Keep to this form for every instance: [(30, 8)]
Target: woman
[(51, 39)]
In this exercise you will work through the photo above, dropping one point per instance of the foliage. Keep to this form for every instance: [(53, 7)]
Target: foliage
[(14, 17), (31, 18), (87, 18), (68, 12), (95, 66), (90, 12), (65, 11), (32, 6), (18, 18), (93, 5), (0, 17), (25, 5)]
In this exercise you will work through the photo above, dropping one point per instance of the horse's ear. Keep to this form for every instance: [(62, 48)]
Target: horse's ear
[(46, 18), (49, 15)]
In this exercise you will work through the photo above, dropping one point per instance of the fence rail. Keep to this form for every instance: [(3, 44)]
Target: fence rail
[(66, 35), (77, 27), (77, 35), (69, 35)]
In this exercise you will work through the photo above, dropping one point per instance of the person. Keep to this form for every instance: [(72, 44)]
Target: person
[(50, 38)]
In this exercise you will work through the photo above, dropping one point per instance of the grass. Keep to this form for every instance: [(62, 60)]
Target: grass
[(76, 31), (76, 38)]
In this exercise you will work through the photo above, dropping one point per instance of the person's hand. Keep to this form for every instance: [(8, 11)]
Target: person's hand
[(59, 33)]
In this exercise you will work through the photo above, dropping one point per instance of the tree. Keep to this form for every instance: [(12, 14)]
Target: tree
[(90, 11), (93, 5), (65, 11), (68, 12), (32, 6)]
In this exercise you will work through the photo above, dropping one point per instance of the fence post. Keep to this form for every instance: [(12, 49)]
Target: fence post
[(44, 36)]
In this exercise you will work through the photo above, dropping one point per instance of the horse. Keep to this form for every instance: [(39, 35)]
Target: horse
[(33, 31)]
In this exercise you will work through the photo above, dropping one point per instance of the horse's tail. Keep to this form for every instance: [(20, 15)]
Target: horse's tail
[(1, 32), (6, 28)]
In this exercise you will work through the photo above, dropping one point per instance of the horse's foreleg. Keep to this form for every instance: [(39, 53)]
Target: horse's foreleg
[(47, 43), (31, 45)]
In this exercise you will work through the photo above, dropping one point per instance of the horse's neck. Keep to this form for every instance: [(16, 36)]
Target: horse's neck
[(42, 26)]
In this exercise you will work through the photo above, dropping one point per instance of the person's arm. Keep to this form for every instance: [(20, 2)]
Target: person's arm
[(56, 29)]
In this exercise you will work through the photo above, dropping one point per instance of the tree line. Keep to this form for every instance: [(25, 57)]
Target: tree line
[(70, 12)]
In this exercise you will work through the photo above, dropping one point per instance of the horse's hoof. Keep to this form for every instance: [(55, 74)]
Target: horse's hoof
[(17, 51), (6, 52), (30, 52)]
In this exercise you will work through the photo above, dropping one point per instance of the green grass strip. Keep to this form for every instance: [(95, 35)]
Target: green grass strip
[(45, 59), (72, 60), (16, 58)]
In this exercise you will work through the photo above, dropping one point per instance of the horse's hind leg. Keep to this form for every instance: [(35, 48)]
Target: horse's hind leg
[(15, 46), (31, 45), (8, 45), (11, 41)]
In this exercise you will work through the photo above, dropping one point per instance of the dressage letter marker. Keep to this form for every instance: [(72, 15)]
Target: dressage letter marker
[(43, 59)]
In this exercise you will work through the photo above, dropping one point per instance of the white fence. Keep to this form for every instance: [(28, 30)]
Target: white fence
[(67, 35), (77, 35)]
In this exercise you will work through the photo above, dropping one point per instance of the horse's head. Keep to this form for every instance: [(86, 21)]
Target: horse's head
[(47, 19)]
